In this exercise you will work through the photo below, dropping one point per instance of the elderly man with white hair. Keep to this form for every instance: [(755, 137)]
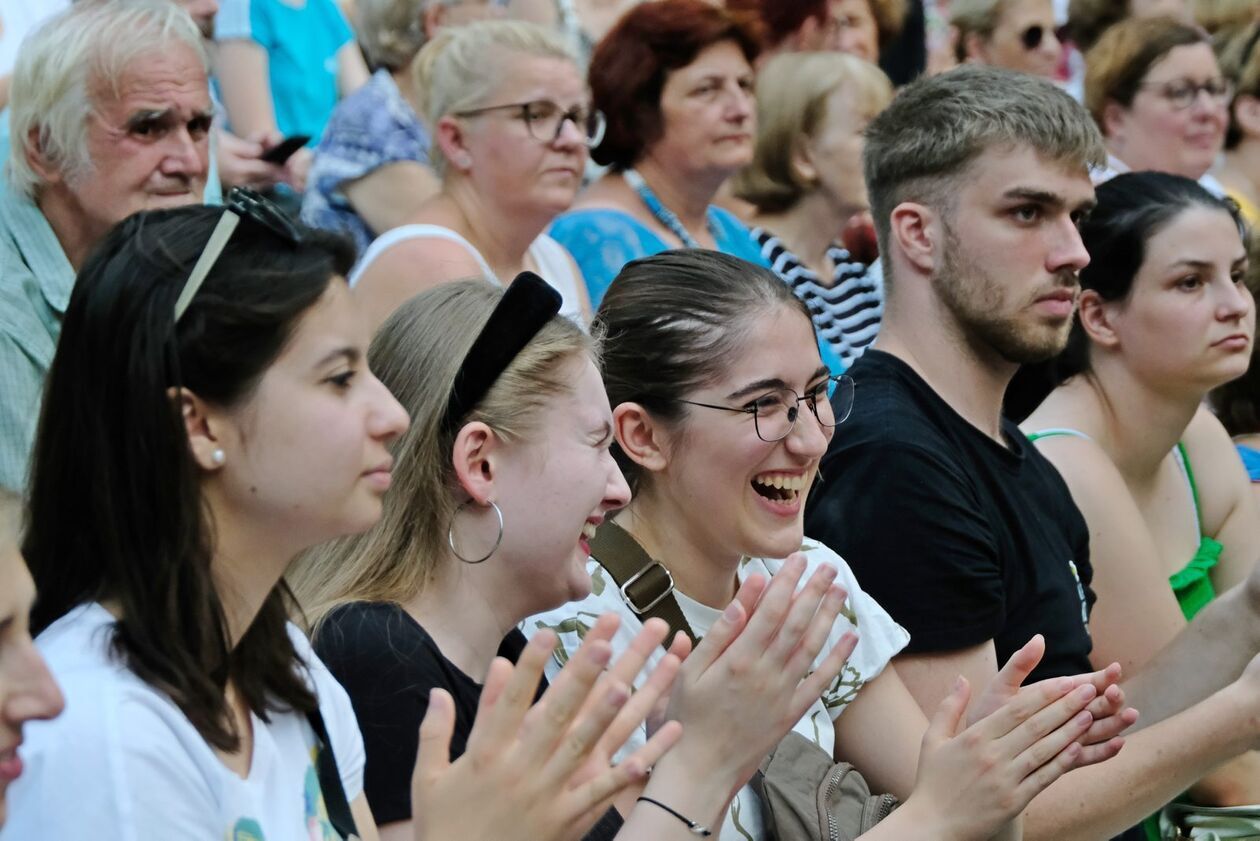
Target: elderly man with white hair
[(110, 115)]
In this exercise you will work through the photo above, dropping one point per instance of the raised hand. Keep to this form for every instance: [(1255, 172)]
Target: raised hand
[(971, 782), (745, 686), (1111, 717), (527, 771)]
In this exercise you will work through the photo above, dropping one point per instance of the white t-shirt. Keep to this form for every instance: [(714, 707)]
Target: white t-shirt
[(122, 762), (18, 18), (879, 639)]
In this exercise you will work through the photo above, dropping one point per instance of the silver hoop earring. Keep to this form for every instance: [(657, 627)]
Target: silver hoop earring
[(450, 535)]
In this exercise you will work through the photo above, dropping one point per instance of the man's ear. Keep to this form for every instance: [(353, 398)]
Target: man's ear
[(202, 429), (975, 49), (474, 457), (37, 158), (449, 135), (916, 230), (640, 436), (1098, 319)]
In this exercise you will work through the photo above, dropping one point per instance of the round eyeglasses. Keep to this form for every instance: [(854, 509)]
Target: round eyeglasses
[(1182, 93), (545, 119), (775, 412)]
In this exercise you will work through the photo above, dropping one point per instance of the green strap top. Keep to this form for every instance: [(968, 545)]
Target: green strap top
[(1192, 584)]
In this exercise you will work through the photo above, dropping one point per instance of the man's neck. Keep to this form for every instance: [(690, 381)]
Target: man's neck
[(971, 382), (1242, 169), (76, 233)]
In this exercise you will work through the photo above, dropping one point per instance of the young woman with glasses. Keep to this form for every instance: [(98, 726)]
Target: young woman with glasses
[(209, 414), (511, 122), (721, 413)]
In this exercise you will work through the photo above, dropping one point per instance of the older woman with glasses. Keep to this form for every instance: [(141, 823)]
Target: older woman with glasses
[(1156, 91), (675, 79), (511, 122)]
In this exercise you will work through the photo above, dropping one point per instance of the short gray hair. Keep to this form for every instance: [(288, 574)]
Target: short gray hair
[(91, 43), (937, 126), (463, 65)]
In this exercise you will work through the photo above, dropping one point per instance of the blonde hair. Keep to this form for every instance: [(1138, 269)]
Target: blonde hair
[(974, 16), (1224, 17), (417, 354), (391, 32), (792, 94), (67, 60), (461, 66)]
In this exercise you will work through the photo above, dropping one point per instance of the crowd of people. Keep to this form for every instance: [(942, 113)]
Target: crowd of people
[(628, 419)]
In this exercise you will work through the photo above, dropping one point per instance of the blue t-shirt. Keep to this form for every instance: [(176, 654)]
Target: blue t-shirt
[(603, 240), (1251, 459), (301, 43)]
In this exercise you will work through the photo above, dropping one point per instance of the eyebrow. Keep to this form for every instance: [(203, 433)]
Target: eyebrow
[(151, 115), (349, 354), (772, 383), (1051, 200)]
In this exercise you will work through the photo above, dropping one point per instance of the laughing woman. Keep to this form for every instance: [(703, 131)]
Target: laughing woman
[(209, 415), (502, 478), (721, 415)]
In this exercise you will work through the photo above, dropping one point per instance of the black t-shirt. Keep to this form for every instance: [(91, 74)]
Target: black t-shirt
[(961, 539), (388, 663)]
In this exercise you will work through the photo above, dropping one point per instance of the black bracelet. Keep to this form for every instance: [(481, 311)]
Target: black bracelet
[(696, 829)]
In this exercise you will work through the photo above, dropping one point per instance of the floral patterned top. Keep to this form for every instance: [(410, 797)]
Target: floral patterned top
[(879, 640)]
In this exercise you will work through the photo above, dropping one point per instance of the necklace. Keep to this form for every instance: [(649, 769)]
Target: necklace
[(662, 213)]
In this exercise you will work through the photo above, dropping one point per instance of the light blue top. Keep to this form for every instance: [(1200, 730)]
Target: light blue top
[(1251, 459), (603, 240), (35, 284), (301, 43)]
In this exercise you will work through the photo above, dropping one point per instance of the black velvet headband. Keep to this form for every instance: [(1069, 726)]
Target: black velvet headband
[(527, 305)]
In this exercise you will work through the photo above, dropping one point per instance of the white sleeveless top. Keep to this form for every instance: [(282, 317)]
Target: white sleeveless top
[(550, 257)]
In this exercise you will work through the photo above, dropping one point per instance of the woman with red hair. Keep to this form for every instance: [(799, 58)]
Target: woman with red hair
[(675, 81)]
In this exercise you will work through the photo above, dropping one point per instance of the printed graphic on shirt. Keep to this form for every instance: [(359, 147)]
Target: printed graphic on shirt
[(1080, 592), (318, 827)]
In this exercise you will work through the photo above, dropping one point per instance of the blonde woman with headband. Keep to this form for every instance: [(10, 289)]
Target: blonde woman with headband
[(511, 122), (502, 478), (805, 181)]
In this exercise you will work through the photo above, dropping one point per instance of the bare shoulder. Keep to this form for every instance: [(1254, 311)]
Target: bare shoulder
[(409, 267), (1219, 474)]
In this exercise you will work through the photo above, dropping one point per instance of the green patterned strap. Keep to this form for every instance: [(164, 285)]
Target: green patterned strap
[(645, 584)]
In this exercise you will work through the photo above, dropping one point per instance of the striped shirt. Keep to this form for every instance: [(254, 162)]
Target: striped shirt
[(35, 283), (847, 312)]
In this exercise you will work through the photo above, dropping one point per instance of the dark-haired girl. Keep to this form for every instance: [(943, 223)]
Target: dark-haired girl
[(1164, 317), (209, 414), (721, 416)]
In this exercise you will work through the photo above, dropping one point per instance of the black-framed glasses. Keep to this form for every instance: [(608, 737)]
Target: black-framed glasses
[(242, 203), (1182, 93), (775, 412), (545, 119)]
